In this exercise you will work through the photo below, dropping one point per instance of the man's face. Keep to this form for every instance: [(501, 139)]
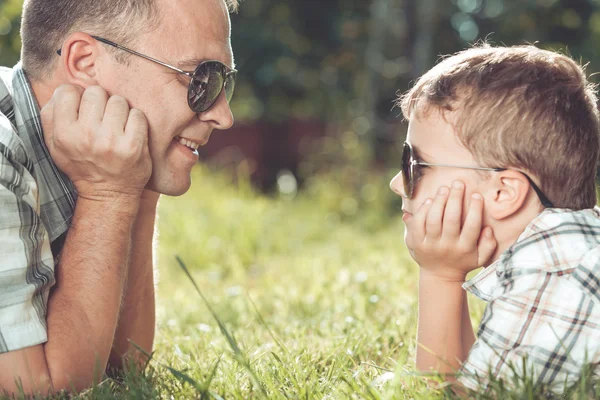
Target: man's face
[(434, 141), (190, 31)]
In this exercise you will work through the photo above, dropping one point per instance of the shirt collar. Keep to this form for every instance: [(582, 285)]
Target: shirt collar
[(57, 194), (483, 284)]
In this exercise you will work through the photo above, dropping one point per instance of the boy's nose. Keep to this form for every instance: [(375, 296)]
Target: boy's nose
[(397, 185)]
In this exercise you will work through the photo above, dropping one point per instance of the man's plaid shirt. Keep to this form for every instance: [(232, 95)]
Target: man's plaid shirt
[(37, 202), (543, 298)]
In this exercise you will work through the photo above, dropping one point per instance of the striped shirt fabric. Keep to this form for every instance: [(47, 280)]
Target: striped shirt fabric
[(542, 319), (37, 203)]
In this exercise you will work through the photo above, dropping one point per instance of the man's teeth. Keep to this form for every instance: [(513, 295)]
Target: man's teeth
[(188, 143)]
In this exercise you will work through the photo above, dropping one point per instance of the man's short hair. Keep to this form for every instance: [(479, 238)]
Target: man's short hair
[(47, 23), (519, 107)]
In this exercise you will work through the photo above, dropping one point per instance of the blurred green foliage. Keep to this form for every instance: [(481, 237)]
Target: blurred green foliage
[(10, 23), (343, 61)]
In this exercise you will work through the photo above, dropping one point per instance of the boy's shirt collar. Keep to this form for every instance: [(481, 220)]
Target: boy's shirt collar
[(485, 282)]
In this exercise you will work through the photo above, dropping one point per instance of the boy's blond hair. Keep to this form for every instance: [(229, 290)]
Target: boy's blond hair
[(523, 108)]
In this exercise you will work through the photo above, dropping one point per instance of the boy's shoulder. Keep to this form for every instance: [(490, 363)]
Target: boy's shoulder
[(557, 239)]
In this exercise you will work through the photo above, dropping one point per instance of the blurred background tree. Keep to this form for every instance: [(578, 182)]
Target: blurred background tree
[(10, 41), (318, 79)]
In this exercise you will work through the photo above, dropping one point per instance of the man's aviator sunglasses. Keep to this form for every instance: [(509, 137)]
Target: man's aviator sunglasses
[(410, 167), (207, 81)]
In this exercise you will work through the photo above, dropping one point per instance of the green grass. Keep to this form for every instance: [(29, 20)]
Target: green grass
[(315, 297), (320, 295)]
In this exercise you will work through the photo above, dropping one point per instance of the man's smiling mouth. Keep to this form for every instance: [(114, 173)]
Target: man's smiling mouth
[(188, 143)]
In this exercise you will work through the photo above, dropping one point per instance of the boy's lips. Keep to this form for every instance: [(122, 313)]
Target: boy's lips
[(406, 215)]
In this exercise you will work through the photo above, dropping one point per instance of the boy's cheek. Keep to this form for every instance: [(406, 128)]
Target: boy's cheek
[(407, 239)]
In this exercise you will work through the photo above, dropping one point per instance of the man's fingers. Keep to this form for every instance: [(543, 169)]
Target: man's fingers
[(61, 111), (453, 212), (136, 128), (486, 246), (472, 226), (66, 102), (433, 225), (116, 114), (93, 105)]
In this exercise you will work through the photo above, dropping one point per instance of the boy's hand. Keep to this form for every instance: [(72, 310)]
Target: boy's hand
[(438, 242)]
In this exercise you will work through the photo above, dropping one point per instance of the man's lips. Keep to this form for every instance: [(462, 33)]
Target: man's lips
[(193, 144), (406, 215)]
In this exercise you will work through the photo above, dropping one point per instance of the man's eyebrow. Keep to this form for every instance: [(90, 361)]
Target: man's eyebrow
[(191, 64)]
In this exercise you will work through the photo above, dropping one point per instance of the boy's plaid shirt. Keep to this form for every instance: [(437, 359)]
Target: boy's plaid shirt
[(37, 202), (543, 297)]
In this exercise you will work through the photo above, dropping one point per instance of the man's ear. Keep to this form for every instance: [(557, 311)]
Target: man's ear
[(507, 193), (79, 55)]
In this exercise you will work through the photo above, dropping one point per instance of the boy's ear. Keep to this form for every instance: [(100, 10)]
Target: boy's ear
[(79, 56), (507, 194)]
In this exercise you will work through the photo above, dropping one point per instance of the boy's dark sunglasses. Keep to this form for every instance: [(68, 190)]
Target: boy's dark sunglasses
[(207, 81), (409, 165)]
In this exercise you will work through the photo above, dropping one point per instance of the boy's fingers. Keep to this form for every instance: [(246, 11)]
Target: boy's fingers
[(433, 224), (416, 225), (472, 228), (486, 246), (453, 212)]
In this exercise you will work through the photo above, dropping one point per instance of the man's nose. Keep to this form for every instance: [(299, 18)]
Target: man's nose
[(219, 115)]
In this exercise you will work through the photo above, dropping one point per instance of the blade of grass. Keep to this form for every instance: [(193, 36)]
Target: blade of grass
[(238, 354)]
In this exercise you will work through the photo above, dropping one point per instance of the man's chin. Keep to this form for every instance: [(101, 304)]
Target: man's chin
[(169, 188)]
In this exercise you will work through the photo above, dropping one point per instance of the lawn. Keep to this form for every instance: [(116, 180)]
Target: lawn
[(317, 290), (315, 296)]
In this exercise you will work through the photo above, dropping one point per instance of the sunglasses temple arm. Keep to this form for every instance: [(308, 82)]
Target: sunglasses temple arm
[(426, 164), (543, 199), (118, 46)]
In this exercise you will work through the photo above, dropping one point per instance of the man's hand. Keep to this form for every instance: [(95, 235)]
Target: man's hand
[(98, 142), (441, 244), (102, 146)]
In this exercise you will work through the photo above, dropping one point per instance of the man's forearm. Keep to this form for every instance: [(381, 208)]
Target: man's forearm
[(84, 306), (137, 319), (439, 336)]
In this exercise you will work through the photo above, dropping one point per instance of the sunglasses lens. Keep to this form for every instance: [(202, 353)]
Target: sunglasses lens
[(229, 86), (407, 171), (205, 86)]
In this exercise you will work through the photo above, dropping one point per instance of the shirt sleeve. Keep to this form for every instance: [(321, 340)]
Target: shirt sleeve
[(26, 263), (539, 324)]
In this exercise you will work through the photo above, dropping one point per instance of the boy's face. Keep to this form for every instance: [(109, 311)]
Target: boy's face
[(434, 141)]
